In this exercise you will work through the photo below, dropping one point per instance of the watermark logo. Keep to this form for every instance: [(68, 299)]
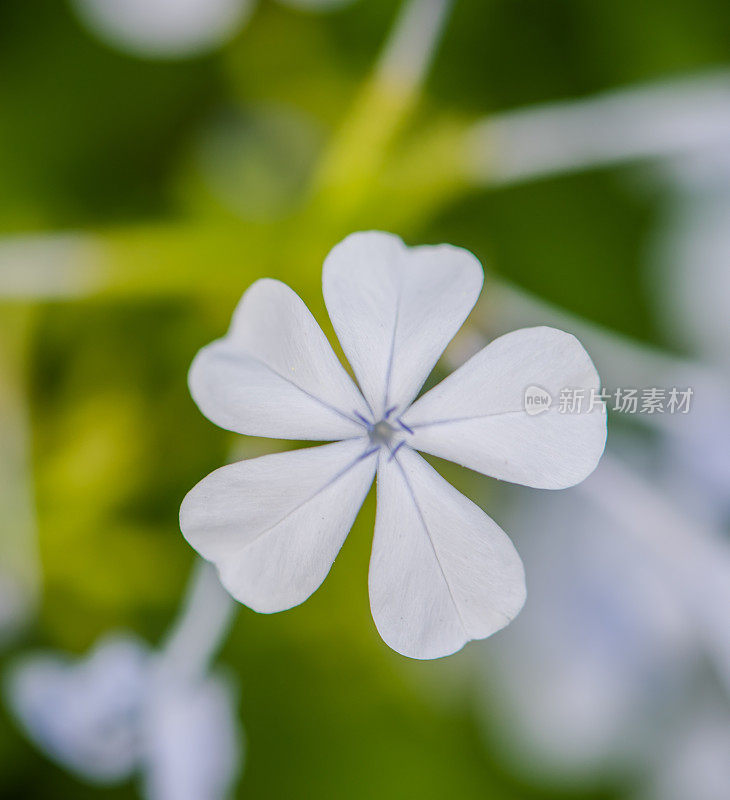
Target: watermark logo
[(649, 400), (537, 400)]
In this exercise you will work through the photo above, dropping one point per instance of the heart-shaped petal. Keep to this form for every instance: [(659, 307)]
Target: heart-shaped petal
[(85, 714)]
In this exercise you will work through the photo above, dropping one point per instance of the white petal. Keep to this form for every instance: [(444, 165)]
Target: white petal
[(441, 572), (85, 715), (275, 374), (273, 525), (194, 748), (476, 416), (164, 28), (395, 309)]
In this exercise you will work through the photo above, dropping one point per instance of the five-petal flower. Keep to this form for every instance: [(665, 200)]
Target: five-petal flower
[(441, 572)]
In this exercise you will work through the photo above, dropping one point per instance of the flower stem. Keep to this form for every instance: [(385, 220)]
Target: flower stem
[(196, 636)]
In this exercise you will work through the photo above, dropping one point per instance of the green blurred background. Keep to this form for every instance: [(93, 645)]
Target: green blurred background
[(188, 179)]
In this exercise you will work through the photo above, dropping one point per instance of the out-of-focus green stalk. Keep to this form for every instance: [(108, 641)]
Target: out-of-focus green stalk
[(358, 152), (148, 260), (423, 175)]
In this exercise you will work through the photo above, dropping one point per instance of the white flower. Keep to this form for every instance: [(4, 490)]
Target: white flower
[(122, 710), (173, 28), (441, 572)]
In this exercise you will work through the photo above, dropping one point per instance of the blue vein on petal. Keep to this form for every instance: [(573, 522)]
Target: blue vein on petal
[(433, 546), (309, 499), (391, 355), (419, 425), (362, 419), (395, 450), (238, 357)]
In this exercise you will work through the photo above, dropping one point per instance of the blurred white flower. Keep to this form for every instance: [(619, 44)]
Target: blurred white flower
[(583, 680), (172, 28), (691, 254), (674, 119), (121, 711), (86, 714), (441, 572), (697, 763), (192, 739), (163, 28)]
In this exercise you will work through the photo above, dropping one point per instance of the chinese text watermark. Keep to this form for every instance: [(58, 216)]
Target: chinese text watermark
[(649, 400)]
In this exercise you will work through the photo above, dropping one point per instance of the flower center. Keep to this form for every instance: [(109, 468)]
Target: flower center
[(388, 432), (381, 433)]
